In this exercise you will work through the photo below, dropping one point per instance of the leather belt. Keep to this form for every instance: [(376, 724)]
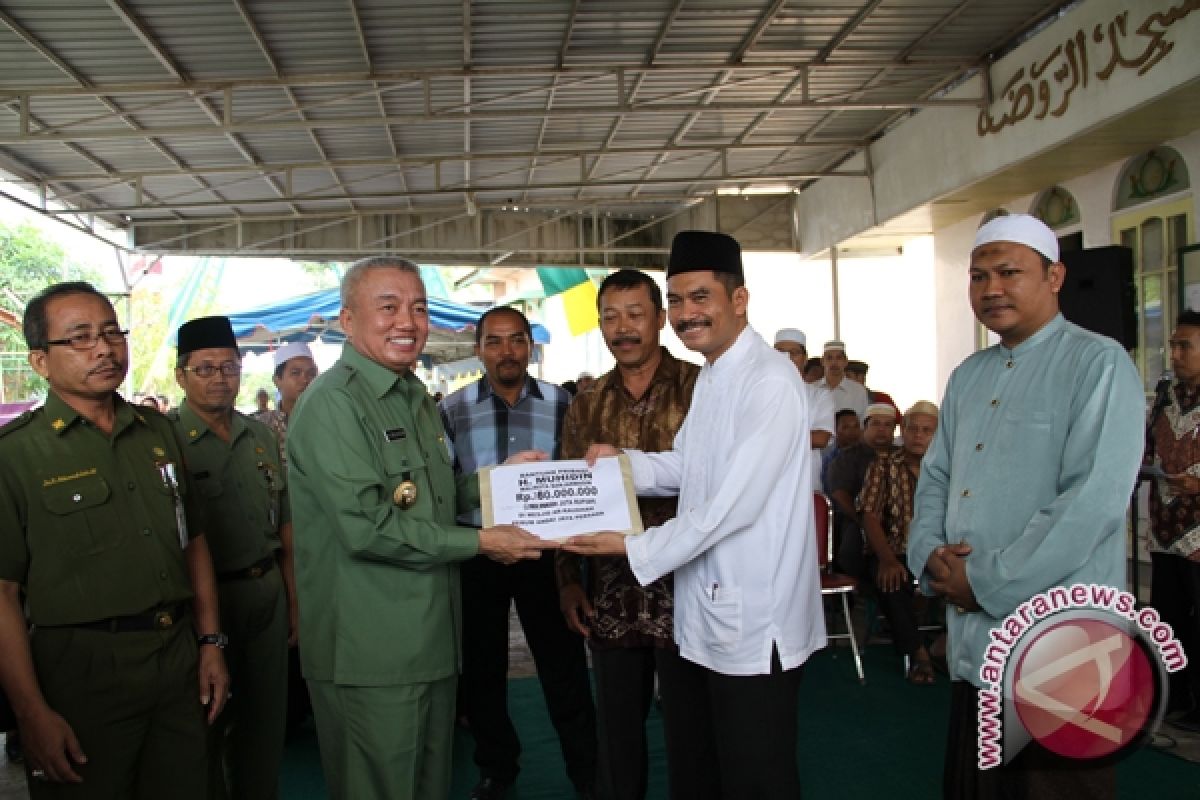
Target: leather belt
[(255, 570), (159, 619)]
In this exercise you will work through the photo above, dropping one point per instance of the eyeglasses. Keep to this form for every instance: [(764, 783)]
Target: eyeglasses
[(86, 340), (228, 369)]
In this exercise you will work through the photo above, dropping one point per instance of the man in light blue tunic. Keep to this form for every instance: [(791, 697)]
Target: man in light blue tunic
[(1024, 487)]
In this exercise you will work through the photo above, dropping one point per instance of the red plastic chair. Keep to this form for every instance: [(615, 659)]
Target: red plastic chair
[(832, 582)]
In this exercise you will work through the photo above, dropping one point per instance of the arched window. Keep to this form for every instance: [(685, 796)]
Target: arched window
[(1154, 215), (1151, 176), (1057, 208)]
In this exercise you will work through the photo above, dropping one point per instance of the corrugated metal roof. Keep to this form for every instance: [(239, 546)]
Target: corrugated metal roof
[(142, 110)]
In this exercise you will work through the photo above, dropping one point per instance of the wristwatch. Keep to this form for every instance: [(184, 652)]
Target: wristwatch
[(218, 639)]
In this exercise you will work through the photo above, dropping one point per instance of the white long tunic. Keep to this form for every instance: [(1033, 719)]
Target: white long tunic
[(742, 547), (821, 418)]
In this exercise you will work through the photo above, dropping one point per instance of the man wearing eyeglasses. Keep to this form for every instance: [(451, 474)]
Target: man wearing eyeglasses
[(234, 462), (503, 413), (99, 525)]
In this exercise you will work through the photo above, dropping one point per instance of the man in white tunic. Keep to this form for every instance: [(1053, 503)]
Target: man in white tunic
[(747, 596), (793, 343), (845, 393)]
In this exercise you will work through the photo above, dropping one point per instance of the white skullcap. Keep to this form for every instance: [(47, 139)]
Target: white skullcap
[(791, 335), (922, 407), (880, 410), (1021, 229), (835, 344), (291, 350)]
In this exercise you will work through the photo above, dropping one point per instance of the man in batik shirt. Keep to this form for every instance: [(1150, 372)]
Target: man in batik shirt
[(639, 404), (1172, 443)]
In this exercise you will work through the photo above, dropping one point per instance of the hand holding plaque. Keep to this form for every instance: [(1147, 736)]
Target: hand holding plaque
[(557, 499)]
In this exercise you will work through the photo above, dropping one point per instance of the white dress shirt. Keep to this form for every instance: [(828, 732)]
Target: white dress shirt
[(848, 394), (742, 547), (821, 418)]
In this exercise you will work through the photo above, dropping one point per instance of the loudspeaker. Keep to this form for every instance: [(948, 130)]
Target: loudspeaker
[(1099, 293)]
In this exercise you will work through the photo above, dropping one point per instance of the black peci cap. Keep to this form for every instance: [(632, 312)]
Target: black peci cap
[(693, 251)]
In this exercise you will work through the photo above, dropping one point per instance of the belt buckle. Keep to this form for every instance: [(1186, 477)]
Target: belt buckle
[(256, 572), (163, 620)]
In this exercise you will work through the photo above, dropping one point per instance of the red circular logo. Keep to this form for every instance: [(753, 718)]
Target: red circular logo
[(1084, 688)]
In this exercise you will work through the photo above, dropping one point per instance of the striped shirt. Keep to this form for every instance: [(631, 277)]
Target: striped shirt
[(484, 429)]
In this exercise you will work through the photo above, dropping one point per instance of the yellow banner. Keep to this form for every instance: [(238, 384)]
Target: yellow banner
[(579, 303)]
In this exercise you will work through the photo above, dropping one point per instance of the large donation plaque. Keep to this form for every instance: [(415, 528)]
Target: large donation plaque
[(557, 499)]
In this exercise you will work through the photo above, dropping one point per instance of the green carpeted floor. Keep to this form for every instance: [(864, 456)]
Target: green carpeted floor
[(880, 740)]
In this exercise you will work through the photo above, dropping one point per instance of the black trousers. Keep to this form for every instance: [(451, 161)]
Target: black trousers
[(749, 722), (488, 588), (848, 555), (624, 692), (1035, 774), (898, 607), (1175, 594)]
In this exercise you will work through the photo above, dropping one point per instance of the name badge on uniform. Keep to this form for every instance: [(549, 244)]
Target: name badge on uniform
[(395, 434), (167, 470), (272, 492)]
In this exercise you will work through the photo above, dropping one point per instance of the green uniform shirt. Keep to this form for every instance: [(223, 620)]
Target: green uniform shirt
[(377, 585), (241, 485), (88, 521)]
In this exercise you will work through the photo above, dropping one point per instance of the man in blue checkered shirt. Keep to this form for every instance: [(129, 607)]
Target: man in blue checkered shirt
[(503, 413)]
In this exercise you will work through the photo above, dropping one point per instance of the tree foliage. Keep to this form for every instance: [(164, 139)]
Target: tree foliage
[(29, 262)]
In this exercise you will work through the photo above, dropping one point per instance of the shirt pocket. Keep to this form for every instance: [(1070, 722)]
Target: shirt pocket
[(82, 522), (404, 464), (1029, 419), (719, 621)]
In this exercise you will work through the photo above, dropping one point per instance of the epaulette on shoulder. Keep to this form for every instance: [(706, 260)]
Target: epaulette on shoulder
[(17, 423)]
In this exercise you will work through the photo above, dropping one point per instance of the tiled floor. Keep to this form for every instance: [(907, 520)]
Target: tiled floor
[(12, 779)]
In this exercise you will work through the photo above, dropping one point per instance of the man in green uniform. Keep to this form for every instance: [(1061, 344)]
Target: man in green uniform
[(373, 496), (98, 524), (234, 464)]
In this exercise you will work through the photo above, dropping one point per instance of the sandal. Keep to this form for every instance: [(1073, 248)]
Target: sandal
[(921, 673)]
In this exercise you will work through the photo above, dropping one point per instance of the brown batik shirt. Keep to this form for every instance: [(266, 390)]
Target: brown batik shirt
[(888, 492), (1173, 442), (276, 422), (628, 614)]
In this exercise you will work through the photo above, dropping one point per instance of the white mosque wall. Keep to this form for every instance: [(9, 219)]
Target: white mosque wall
[(1094, 191)]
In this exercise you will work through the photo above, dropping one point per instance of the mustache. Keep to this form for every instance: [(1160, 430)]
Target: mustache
[(688, 324), (509, 362), (107, 364), (620, 340)]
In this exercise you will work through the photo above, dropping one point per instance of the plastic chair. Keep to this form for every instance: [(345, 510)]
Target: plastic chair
[(833, 583)]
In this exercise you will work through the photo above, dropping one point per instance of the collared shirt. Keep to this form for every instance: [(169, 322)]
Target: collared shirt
[(378, 585), (743, 546), (887, 493), (484, 430), (87, 519), (277, 423), (849, 468), (1174, 444), (821, 418), (847, 394), (1032, 465), (239, 482), (628, 614)]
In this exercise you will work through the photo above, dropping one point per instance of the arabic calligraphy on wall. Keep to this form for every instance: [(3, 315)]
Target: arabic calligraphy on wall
[(1045, 88)]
